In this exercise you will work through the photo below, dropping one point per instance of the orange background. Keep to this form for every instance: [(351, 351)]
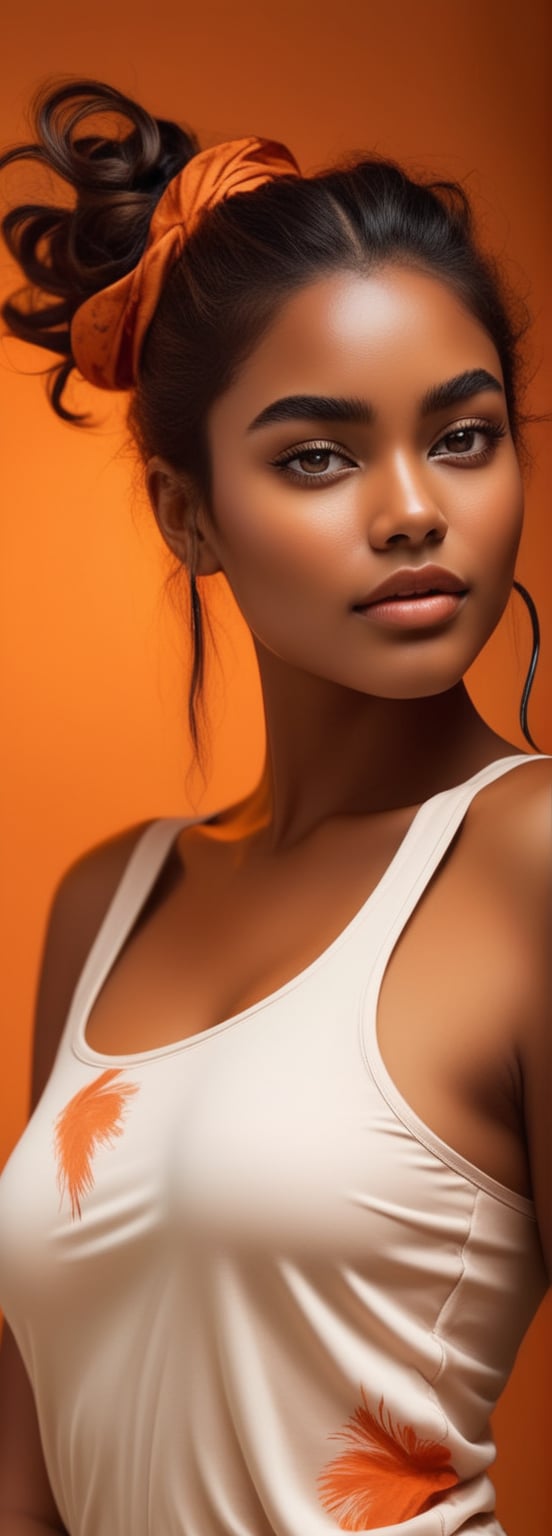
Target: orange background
[(94, 661)]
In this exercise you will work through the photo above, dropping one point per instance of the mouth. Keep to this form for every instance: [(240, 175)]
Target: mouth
[(408, 584), (409, 597), (419, 610)]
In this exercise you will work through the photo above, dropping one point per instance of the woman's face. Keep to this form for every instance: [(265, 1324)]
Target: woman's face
[(302, 542)]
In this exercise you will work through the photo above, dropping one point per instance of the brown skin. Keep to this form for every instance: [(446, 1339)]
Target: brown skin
[(363, 720), (359, 718), (360, 721)]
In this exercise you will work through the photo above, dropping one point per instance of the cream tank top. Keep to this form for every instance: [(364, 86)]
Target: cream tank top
[(254, 1293)]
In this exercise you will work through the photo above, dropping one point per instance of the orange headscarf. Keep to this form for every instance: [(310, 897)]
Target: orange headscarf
[(107, 331)]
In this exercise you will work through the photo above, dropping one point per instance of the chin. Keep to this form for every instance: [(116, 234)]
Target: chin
[(415, 682), (421, 691)]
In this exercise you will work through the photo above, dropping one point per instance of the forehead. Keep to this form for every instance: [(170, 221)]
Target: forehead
[(387, 336)]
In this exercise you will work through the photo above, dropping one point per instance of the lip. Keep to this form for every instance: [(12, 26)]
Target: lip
[(410, 581), (422, 612)]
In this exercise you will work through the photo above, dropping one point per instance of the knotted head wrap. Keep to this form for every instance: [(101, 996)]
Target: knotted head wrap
[(107, 331)]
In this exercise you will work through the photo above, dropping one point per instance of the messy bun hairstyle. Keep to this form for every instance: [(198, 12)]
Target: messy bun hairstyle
[(245, 256)]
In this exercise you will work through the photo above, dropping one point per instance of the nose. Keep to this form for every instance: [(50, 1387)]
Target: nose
[(404, 508)]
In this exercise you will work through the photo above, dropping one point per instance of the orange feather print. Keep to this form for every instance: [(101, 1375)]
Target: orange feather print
[(93, 1116), (386, 1476)]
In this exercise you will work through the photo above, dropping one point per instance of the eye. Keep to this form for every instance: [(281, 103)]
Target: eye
[(462, 439), (313, 454)]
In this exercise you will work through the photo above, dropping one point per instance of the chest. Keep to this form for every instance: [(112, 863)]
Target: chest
[(213, 940)]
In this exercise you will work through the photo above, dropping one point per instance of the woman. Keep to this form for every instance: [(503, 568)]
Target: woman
[(280, 1217)]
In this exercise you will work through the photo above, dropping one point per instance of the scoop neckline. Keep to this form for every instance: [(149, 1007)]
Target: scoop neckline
[(88, 1054)]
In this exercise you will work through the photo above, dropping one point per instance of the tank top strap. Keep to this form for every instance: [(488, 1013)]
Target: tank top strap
[(425, 843), (138, 878), (423, 848)]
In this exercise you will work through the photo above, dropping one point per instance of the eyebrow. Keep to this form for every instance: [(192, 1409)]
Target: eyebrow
[(345, 408)]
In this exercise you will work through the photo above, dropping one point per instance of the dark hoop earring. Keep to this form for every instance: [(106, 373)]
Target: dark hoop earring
[(532, 664)]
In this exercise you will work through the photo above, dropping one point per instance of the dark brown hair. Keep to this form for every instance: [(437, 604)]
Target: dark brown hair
[(245, 257)]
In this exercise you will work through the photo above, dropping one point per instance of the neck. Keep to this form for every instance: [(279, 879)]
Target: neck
[(334, 752)]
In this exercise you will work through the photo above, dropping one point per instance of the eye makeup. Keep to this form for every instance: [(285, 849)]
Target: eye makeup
[(491, 431)]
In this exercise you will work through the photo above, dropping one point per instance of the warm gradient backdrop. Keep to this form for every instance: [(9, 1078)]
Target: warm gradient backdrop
[(94, 665)]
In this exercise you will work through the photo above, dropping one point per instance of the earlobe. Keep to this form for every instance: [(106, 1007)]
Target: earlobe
[(178, 513)]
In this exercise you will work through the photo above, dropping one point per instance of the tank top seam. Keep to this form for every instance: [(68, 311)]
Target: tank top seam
[(436, 1333)]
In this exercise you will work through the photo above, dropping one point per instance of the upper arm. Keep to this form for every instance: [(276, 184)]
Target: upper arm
[(536, 1040), (76, 911), (514, 830), (520, 852)]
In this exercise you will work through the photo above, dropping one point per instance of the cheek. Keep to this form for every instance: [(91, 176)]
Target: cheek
[(498, 534), (276, 554), (486, 518), (491, 537)]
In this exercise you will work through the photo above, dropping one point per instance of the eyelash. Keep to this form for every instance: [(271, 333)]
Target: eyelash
[(491, 430)]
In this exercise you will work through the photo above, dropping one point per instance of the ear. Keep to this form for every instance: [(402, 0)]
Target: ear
[(180, 517)]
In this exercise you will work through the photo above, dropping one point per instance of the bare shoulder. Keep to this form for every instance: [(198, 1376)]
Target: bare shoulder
[(512, 823), (76, 911)]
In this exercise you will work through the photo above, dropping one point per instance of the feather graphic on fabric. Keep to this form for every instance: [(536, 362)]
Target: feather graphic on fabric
[(389, 1474), (92, 1117)]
